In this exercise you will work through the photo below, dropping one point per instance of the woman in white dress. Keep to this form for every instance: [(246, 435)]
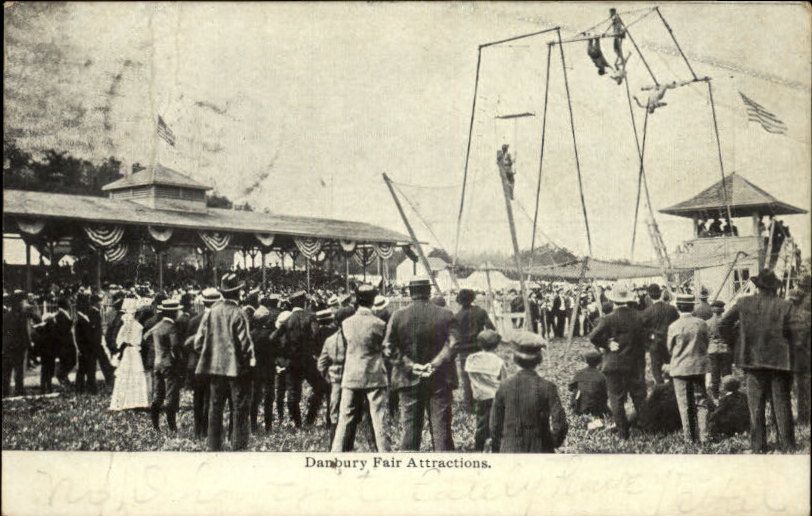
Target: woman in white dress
[(131, 390)]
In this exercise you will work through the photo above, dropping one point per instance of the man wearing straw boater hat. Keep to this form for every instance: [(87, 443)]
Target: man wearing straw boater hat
[(226, 357), (761, 348), (200, 383), (420, 342), (527, 415), (167, 373), (622, 337)]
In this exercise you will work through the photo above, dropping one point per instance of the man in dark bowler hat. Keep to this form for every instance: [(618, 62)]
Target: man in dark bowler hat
[(420, 342), (226, 357), (167, 373), (761, 347), (471, 320), (656, 319), (622, 337)]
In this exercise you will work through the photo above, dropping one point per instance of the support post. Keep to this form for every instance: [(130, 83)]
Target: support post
[(307, 268), (516, 258), (768, 253), (577, 307), (417, 245), (347, 272), (490, 292), (97, 278), (160, 269), (29, 283), (264, 275), (729, 270)]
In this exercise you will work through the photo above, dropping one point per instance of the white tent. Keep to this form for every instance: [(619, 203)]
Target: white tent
[(478, 280)]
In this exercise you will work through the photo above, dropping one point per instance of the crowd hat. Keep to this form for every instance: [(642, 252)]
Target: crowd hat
[(718, 304), (593, 357), (230, 282), (730, 383), (334, 301), (622, 293), (299, 296), (704, 294), (526, 345), (488, 339), (282, 319), (466, 296), (170, 305), (366, 294), (767, 279), (381, 302), (420, 282), (654, 290), (210, 296)]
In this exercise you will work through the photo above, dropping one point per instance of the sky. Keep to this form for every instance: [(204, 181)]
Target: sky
[(299, 108)]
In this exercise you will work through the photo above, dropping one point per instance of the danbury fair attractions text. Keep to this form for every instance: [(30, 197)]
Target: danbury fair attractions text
[(394, 462)]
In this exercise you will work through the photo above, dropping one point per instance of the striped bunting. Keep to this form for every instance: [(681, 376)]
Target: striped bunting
[(215, 241), (116, 253), (757, 113), (309, 247), (104, 236)]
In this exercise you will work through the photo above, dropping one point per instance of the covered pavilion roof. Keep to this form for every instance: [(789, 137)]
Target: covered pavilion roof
[(745, 199)]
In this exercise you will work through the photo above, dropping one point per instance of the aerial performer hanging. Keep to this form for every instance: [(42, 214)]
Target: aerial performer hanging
[(504, 160), (593, 49), (620, 61), (655, 98)]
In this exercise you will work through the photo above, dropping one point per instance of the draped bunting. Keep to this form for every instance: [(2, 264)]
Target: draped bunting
[(214, 241), (364, 256), (160, 234), (266, 239), (308, 246), (116, 253), (409, 252), (104, 236), (31, 227), (348, 246), (384, 250)]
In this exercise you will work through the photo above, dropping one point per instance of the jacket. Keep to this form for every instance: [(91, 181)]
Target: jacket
[(471, 320), (799, 329), (590, 394), (716, 344), (15, 332), (688, 346), (331, 359), (261, 330), (731, 416), (703, 311), (88, 332), (192, 356), (625, 326), (223, 341), (363, 362), (656, 319), (422, 333), (763, 331), (167, 346), (527, 416), (300, 332)]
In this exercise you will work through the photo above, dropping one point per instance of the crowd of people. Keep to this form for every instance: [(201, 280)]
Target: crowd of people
[(239, 348)]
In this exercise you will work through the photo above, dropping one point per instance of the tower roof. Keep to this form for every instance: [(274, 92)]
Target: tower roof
[(745, 199), (156, 175)]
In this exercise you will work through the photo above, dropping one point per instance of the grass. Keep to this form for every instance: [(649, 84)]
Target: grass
[(82, 422)]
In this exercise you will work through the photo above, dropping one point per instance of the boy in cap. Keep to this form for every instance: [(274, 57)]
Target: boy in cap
[(731, 416), (688, 346), (588, 388), (527, 415), (719, 356), (485, 370), (471, 319)]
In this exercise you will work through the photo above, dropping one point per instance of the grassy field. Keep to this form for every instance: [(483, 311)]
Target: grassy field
[(82, 422)]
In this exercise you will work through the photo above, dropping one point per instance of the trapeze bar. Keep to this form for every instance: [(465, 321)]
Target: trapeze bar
[(585, 38), (676, 84), (517, 115), (517, 37)]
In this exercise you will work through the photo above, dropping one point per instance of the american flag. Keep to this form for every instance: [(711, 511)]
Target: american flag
[(757, 113), (165, 132)]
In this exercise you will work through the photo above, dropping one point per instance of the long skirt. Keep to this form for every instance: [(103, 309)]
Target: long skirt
[(131, 389)]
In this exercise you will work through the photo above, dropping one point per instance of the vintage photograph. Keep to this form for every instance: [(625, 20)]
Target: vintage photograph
[(486, 228)]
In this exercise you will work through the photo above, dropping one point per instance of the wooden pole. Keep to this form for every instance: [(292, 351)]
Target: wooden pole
[(98, 271), (160, 269), (264, 276), (347, 272), (490, 292), (768, 254), (29, 281), (577, 304), (516, 258), (307, 268), (417, 245)]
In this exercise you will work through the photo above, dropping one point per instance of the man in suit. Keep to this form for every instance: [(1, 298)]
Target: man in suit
[(656, 319), (420, 341), (200, 383), (703, 310), (687, 343), (301, 330), (799, 326), (88, 333), (107, 369), (15, 344), (471, 320), (761, 347), (364, 375), (65, 345), (559, 314), (264, 373), (622, 337), (167, 373), (527, 415), (226, 357)]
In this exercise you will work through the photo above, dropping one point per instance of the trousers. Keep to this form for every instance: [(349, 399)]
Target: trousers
[(86, 373), (692, 400), (46, 372), (465, 380), (200, 405), (166, 385), (658, 356), (238, 389), (772, 385), (721, 364), (419, 400), (351, 413), (802, 397), (620, 384), (482, 409), (262, 393), (294, 376), (14, 366)]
